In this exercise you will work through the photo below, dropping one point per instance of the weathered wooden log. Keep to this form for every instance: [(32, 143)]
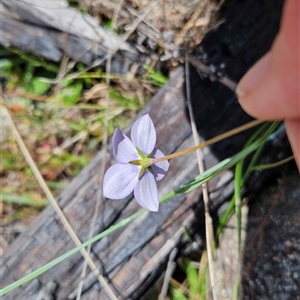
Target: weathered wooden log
[(132, 258), (52, 29)]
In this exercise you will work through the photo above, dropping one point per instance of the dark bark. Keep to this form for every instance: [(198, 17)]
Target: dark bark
[(271, 265)]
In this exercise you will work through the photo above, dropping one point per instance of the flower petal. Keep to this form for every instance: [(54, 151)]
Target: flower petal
[(123, 148), (143, 134), (161, 168), (120, 180), (146, 193)]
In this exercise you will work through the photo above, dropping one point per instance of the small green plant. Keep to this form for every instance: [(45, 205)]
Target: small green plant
[(156, 78)]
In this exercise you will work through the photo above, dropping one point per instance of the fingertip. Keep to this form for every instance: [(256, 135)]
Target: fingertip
[(254, 76)]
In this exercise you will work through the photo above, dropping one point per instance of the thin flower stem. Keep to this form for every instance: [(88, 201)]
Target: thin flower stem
[(209, 142)]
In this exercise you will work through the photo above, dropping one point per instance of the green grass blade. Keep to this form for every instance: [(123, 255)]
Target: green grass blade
[(217, 169), (255, 137)]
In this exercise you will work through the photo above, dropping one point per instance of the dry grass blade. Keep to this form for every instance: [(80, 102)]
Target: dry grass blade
[(209, 233), (53, 202)]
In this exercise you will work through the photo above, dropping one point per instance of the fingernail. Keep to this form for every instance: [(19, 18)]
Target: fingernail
[(254, 76)]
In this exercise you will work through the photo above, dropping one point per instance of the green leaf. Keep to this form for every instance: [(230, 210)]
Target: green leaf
[(108, 24), (126, 102), (178, 294), (38, 87), (157, 78), (70, 94), (6, 66), (34, 60), (78, 126), (192, 277)]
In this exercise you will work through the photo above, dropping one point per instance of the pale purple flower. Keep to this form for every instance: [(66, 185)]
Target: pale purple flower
[(132, 172)]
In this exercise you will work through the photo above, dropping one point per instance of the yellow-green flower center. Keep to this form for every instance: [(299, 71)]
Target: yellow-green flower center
[(145, 162)]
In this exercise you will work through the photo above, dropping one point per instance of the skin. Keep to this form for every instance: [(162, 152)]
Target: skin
[(270, 89)]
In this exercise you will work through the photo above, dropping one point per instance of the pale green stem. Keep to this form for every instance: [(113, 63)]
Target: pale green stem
[(209, 142)]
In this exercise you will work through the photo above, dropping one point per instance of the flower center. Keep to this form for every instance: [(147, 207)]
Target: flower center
[(145, 162)]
